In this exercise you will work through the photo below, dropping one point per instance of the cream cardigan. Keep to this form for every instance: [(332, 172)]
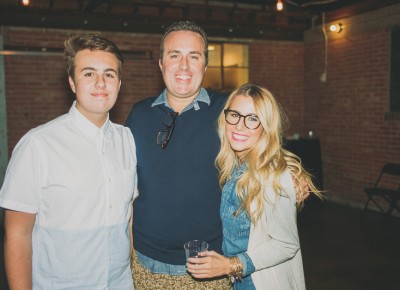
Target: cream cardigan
[(274, 246)]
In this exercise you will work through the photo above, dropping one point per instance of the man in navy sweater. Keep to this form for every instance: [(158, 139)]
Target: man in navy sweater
[(176, 146)]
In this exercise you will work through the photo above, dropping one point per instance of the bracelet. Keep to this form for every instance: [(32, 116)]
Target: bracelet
[(235, 269)]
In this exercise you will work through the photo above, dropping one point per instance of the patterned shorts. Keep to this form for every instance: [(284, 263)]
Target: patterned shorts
[(143, 279)]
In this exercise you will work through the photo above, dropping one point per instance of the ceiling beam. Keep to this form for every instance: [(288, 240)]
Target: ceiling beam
[(140, 24)]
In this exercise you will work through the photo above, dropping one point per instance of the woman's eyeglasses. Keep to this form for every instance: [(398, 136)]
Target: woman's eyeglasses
[(164, 135), (250, 121)]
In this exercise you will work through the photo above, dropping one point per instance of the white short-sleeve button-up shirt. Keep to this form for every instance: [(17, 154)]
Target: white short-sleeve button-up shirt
[(79, 180)]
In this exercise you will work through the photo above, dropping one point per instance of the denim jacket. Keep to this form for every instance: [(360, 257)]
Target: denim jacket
[(236, 229)]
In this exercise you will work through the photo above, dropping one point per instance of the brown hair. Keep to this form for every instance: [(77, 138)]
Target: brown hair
[(78, 42), (185, 26)]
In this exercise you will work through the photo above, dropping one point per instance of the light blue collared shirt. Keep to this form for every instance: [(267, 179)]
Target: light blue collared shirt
[(201, 97)]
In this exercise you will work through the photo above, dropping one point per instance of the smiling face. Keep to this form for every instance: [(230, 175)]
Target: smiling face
[(240, 138), (96, 84), (183, 66)]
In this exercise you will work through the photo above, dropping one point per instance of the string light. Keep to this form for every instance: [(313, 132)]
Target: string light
[(279, 5), (25, 2)]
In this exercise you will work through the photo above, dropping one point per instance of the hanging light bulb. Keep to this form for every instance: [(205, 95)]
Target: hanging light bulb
[(279, 5), (25, 2)]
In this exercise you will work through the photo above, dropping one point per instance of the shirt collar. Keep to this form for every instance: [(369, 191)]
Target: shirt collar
[(201, 97), (86, 126)]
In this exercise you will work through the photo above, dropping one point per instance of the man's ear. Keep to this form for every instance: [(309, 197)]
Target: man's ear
[(160, 64), (72, 84)]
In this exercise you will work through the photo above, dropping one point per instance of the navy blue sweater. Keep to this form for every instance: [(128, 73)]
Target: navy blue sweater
[(179, 195)]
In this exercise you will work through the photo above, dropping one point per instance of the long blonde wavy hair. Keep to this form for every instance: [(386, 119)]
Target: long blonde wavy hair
[(266, 160)]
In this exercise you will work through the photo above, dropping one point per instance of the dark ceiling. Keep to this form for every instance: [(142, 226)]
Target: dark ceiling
[(234, 18)]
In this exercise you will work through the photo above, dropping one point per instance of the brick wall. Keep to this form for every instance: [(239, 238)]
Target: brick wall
[(350, 111), (279, 67), (37, 89)]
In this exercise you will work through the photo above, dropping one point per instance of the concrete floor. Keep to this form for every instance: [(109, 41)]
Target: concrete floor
[(340, 250)]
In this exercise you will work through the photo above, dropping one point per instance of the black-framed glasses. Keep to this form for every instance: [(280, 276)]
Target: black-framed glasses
[(251, 121), (164, 135)]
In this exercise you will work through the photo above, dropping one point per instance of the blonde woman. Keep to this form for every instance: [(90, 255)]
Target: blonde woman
[(258, 208)]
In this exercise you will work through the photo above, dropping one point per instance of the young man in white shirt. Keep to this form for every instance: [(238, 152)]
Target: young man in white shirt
[(69, 185)]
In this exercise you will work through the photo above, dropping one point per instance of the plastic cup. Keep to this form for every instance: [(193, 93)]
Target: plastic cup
[(193, 248)]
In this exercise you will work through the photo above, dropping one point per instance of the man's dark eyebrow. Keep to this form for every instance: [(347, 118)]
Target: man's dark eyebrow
[(111, 69), (178, 51), (88, 68), (93, 69), (195, 52), (173, 51)]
